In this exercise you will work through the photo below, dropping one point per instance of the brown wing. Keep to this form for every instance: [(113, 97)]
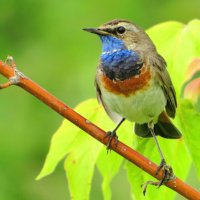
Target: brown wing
[(113, 115), (167, 86)]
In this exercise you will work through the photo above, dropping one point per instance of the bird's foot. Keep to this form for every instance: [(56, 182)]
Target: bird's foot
[(166, 176), (167, 173), (162, 164), (111, 135)]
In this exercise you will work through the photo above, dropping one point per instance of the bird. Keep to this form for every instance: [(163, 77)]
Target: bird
[(132, 83)]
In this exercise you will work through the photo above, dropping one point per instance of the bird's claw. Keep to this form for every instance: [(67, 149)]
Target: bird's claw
[(166, 176), (162, 164), (111, 135), (144, 185)]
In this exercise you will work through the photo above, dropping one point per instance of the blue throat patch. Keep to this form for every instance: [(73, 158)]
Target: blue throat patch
[(117, 61), (109, 43)]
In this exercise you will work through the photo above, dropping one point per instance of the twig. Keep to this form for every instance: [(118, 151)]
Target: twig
[(139, 160)]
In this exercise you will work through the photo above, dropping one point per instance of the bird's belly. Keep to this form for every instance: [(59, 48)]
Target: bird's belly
[(140, 107)]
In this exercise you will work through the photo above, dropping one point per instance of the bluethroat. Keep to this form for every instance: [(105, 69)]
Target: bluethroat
[(132, 82)]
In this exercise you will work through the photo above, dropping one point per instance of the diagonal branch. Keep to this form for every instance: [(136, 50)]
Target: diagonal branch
[(17, 78)]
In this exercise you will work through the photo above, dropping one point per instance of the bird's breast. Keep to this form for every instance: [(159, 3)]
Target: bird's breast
[(128, 86)]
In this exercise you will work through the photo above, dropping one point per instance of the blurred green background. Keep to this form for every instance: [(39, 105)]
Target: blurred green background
[(46, 40)]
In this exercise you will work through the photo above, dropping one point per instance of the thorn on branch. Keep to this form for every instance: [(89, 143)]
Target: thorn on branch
[(14, 80), (10, 61)]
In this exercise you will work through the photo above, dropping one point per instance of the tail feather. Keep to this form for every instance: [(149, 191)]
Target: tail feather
[(163, 127), (142, 130)]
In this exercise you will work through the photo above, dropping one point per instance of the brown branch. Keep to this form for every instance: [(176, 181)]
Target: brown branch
[(122, 149)]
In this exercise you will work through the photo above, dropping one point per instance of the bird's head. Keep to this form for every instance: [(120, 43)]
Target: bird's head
[(121, 34)]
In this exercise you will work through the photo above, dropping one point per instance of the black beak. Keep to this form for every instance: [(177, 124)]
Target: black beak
[(97, 31)]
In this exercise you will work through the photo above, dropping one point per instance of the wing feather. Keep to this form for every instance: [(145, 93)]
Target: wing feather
[(167, 86)]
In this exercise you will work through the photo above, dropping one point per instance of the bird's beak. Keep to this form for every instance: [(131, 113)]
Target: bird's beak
[(97, 31)]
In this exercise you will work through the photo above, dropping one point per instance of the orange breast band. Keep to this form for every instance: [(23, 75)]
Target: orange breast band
[(128, 86)]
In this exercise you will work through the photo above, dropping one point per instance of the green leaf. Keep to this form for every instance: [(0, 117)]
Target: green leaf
[(64, 139), (82, 151), (189, 119), (80, 164), (109, 165)]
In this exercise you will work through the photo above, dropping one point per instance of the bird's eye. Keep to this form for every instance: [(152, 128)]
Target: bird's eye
[(120, 29)]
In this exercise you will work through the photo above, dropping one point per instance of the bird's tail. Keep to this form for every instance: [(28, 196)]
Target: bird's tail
[(164, 127)]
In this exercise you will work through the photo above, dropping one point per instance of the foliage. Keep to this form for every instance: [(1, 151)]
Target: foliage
[(179, 44)]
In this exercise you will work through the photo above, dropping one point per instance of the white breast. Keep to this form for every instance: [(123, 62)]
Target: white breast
[(141, 107)]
